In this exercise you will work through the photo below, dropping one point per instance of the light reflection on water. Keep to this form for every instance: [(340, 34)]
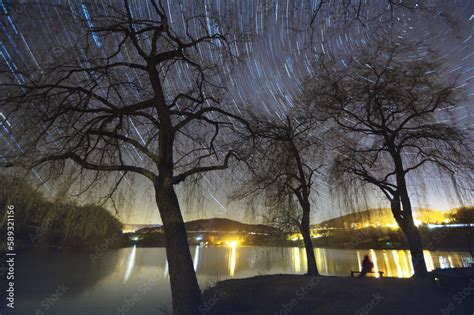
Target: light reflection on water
[(235, 261), (105, 283), (232, 258), (296, 259), (130, 264)]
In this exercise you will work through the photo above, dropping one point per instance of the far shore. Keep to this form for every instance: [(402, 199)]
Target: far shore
[(300, 245), (327, 295), (447, 249)]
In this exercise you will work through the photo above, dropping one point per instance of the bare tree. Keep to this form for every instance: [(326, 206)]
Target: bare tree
[(280, 156), (360, 11), (132, 96), (388, 106)]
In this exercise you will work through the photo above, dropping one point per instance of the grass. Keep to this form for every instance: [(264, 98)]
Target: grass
[(299, 294)]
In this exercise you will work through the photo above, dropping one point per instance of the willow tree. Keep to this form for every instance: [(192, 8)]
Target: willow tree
[(282, 162), (129, 93), (388, 106)]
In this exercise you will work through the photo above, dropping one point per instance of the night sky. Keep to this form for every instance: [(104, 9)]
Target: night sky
[(274, 65)]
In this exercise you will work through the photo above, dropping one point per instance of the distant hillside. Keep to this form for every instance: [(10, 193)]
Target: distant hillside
[(135, 227), (219, 225), (373, 217), (383, 216), (226, 225)]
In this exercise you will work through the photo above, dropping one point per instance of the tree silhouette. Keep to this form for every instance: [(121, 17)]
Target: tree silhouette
[(359, 11), (280, 155), (132, 96), (384, 104)]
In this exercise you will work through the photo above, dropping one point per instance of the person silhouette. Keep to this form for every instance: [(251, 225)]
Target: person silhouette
[(367, 266)]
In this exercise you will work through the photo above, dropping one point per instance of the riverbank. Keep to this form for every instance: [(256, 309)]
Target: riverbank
[(300, 294), (301, 246), (442, 239)]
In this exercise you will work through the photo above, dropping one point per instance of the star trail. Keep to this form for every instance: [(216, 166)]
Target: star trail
[(273, 61)]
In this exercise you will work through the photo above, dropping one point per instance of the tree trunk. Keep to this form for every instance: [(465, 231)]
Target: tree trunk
[(185, 292), (407, 225), (404, 217), (413, 236), (308, 244), (416, 248)]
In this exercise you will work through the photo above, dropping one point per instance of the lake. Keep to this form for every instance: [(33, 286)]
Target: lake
[(135, 280)]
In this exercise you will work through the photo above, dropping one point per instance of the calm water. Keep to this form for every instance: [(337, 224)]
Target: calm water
[(135, 280)]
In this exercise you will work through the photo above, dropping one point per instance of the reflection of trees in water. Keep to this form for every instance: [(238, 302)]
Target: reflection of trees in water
[(214, 262), (270, 258), (248, 260), (39, 272), (266, 259)]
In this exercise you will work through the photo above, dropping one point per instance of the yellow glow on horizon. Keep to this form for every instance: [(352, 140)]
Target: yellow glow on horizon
[(232, 243), (392, 226)]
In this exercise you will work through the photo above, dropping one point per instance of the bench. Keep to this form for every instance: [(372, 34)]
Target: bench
[(358, 272)]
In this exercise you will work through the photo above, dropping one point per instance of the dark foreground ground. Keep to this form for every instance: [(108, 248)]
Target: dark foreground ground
[(298, 294)]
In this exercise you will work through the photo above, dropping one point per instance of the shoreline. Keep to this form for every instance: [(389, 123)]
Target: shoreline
[(96, 245), (303, 294), (449, 249)]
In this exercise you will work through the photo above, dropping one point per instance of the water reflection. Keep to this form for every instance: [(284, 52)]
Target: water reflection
[(196, 258), (116, 275), (374, 261), (166, 269), (321, 259), (385, 259), (359, 261), (223, 261), (296, 259), (232, 258), (428, 260), (130, 264)]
